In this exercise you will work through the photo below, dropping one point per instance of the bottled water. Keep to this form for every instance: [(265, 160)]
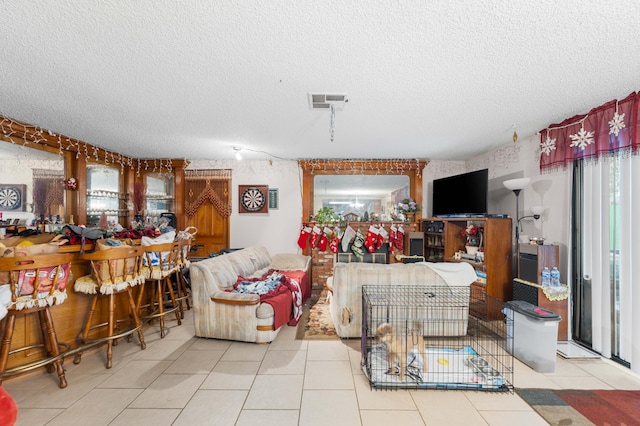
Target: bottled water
[(546, 277), (555, 277)]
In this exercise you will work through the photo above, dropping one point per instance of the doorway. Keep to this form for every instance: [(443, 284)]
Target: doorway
[(208, 208)]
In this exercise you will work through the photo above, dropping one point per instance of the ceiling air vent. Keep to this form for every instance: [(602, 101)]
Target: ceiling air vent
[(324, 100)]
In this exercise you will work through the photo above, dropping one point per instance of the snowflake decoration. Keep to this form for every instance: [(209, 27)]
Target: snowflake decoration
[(548, 145), (582, 139), (616, 124)]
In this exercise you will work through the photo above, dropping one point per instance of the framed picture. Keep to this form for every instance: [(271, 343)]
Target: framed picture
[(12, 197), (253, 198), (273, 198)]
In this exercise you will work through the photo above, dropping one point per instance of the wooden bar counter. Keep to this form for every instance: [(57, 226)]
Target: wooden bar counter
[(68, 317)]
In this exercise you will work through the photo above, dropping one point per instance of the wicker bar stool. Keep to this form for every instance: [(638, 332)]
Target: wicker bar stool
[(36, 283), (114, 271), (160, 265)]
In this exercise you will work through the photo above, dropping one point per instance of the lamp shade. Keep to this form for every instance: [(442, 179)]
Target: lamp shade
[(516, 184)]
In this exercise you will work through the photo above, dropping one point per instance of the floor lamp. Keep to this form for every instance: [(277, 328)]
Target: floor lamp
[(517, 185)]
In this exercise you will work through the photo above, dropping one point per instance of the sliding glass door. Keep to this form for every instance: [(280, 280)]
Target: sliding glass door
[(604, 239)]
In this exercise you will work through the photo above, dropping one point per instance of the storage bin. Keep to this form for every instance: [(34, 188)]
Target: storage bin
[(534, 336)]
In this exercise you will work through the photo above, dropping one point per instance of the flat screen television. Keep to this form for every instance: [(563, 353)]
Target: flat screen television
[(464, 194)]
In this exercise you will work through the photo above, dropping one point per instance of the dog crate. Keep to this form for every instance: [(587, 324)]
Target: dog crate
[(427, 337)]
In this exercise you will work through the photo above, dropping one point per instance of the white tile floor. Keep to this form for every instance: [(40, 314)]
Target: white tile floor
[(184, 380)]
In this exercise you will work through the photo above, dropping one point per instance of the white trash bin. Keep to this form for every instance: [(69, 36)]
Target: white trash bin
[(535, 335)]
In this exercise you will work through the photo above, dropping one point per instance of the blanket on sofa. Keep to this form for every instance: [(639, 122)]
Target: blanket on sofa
[(279, 291)]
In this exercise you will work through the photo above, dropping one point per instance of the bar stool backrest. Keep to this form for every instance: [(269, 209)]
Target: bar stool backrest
[(112, 270), (36, 281), (161, 260)]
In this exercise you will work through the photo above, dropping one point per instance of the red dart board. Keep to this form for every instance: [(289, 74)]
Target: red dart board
[(253, 198)]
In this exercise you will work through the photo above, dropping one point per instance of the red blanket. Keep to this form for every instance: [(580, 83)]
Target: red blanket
[(285, 298), (303, 280)]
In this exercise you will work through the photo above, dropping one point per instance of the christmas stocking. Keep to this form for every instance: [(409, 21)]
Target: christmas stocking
[(393, 231), (324, 239), (372, 239), (304, 237), (315, 234), (348, 235), (400, 238), (335, 240), (356, 247), (382, 235)]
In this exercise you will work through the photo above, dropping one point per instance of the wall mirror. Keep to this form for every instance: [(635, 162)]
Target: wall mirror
[(355, 195), (377, 184), (31, 184)]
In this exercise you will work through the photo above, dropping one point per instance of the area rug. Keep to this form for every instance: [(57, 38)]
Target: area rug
[(316, 323), (584, 407)]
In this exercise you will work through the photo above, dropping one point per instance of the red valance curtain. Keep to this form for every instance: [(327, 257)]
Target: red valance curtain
[(607, 129), (203, 186)]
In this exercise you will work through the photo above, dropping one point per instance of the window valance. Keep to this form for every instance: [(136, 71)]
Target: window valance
[(610, 128)]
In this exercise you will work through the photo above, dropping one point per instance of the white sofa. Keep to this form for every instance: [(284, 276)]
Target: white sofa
[(221, 314), (348, 279)]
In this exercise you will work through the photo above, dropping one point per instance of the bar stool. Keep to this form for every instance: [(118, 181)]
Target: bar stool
[(183, 292), (114, 271), (36, 283), (160, 264)]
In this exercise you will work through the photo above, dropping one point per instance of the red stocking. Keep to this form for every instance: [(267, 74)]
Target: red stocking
[(400, 238), (315, 234), (324, 240), (304, 237), (393, 231), (372, 238), (382, 235), (335, 240)]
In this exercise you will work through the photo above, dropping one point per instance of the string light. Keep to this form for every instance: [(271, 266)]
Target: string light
[(357, 167), (24, 134)]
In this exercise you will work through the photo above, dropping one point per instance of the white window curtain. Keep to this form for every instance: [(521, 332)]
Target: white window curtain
[(598, 237)]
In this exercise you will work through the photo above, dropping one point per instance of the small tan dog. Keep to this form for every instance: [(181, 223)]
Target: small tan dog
[(398, 347)]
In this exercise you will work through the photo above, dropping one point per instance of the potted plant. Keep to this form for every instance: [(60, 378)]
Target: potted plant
[(327, 215), (408, 208)]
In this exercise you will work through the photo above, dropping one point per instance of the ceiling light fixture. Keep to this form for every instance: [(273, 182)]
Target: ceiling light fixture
[(237, 153), (515, 135)]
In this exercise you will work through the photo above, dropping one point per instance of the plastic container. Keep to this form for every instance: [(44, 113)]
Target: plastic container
[(555, 277), (546, 277), (534, 337)]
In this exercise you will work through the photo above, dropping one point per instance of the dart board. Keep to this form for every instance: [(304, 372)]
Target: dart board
[(11, 197), (253, 198)]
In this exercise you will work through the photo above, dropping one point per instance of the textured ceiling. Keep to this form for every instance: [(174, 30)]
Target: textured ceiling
[(425, 79)]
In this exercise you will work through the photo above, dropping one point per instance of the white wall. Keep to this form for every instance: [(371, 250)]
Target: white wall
[(277, 230)]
